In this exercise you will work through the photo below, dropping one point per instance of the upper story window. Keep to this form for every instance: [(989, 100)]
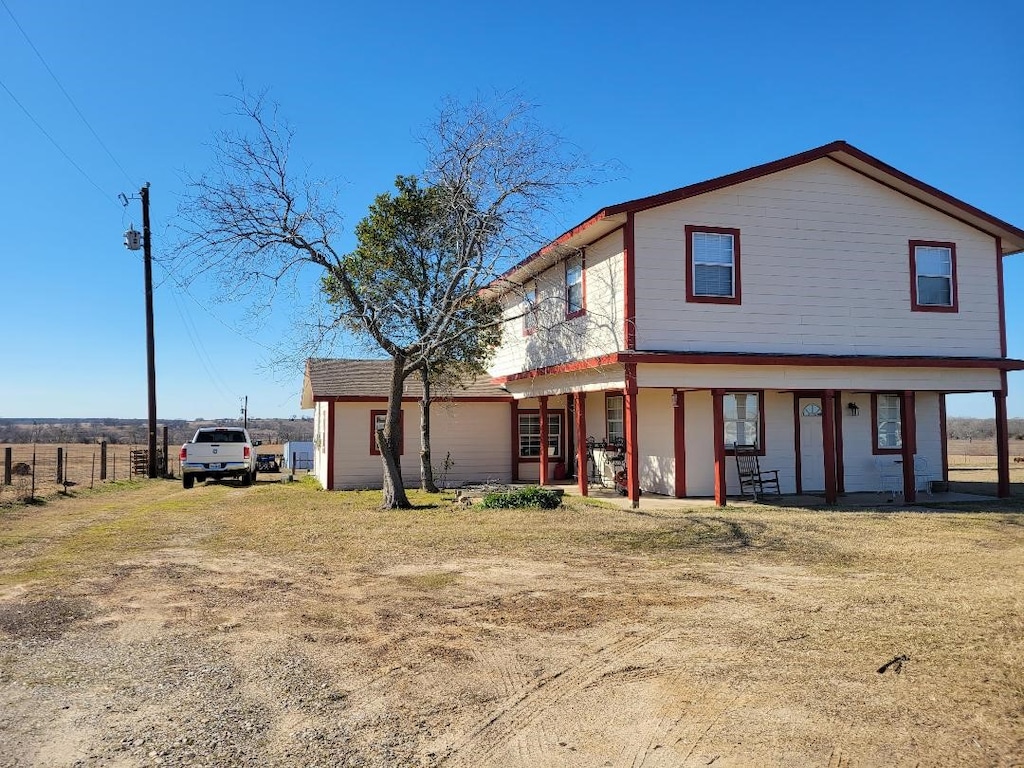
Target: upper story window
[(743, 419), (530, 311), (933, 276), (574, 294), (713, 265), (887, 424)]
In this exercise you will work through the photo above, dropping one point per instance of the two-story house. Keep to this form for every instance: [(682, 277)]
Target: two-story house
[(819, 307)]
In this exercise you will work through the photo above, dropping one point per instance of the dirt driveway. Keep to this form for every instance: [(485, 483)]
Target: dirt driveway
[(278, 625)]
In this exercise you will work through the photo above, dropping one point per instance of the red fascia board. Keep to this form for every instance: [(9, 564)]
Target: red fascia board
[(550, 370), (506, 275), (384, 399), (967, 208), (758, 358)]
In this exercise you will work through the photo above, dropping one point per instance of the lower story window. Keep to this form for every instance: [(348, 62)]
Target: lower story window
[(529, 435), (614, 420), (377, 421), (742, 418), (888, 425)]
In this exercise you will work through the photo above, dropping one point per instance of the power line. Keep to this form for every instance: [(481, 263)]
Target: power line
[(64, 91), (54, 141)]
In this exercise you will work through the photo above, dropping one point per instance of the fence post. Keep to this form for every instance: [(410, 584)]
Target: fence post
[(103, 461), (60, 465), (163, 461), (7, 465)]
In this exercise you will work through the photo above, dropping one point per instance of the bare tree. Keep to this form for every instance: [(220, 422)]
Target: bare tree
[(497, 176)]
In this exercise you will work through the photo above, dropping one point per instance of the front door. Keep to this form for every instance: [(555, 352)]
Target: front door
[(812, 451)]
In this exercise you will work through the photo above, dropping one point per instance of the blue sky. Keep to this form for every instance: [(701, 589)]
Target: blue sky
[(675, 92)]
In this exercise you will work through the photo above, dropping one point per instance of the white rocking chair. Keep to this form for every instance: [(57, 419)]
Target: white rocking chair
[(890, 477)]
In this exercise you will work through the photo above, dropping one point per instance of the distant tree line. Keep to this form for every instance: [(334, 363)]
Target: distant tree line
[(134, 431), (963, 428)]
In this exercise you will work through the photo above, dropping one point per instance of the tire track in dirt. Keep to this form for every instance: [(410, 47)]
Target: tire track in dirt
[(520, 711)]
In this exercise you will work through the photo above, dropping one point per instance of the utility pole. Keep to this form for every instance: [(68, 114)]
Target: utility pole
[(147, 252), (245, 412)]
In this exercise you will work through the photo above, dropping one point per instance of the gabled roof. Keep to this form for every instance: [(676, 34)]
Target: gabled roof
[(614, 216), (355, 380)]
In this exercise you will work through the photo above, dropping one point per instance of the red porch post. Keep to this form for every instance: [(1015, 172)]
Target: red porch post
[(632, 437), (543, 439), (908, 418), (718, 431), (944, 436), (1002, 443), (580, 403), (514, 409), (679, 441), (840, 466), (828, 444)]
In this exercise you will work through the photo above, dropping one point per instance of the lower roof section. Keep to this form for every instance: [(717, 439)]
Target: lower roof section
[(711, 370)]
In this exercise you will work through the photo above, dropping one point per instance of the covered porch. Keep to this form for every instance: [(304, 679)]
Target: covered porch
[(837, 434)]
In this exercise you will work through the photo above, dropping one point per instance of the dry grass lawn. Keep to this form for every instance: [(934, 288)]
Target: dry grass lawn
[(280, 625)]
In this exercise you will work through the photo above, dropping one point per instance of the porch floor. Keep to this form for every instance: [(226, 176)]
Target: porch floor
[(880, 501)]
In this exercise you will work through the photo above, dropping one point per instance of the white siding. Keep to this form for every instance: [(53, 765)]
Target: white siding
[(825, 269), (473, 436), (657, 441), (320, 443), (558, 340)]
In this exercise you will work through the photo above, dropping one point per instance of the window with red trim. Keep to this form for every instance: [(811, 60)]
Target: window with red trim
[(575, 296), (712, 265), (614, 419), (933, 276), (743, 413), (529, 434), (886, 424), (377, 421)]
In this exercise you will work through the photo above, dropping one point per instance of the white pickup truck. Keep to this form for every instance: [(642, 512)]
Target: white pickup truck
[(218, 452)]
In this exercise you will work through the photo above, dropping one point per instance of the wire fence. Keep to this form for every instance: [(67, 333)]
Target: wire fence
[(36, 471)]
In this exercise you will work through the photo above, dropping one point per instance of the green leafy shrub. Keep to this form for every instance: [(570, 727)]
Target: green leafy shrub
[(531, 496)]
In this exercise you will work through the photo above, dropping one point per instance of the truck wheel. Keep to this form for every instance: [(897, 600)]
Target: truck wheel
[(188, 481), (246, 478)]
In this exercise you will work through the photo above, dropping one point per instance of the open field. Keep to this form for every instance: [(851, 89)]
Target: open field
[(280, 625)]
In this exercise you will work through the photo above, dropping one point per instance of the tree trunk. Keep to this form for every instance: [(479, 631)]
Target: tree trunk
[(389, 441), (426, 470)]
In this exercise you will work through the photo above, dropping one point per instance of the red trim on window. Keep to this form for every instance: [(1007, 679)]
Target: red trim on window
[(1002, 297), (760, 418), (330, 445), (679, 441), (629, 282), (560, 412), (874, 427), (607, 396), (954, 306), (583, 285), (736, 297), (374, 413)]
